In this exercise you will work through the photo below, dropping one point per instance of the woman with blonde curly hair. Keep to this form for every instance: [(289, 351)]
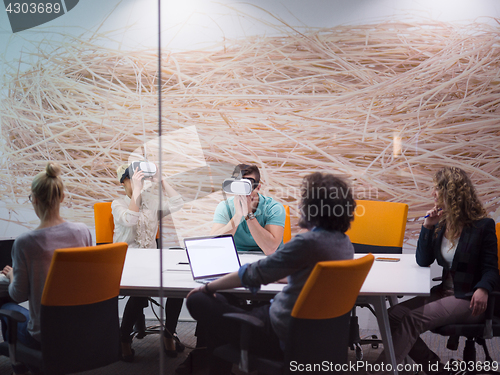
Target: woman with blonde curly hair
[(457, 234)]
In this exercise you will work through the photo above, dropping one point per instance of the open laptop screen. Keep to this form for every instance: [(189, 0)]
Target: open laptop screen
[(212, 256)]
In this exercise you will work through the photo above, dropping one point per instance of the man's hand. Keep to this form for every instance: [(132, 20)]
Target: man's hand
[(195, 290), (203, 289), (241, 205), (479, 301)]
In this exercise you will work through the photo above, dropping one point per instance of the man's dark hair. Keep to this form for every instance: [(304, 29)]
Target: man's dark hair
[(247, 169), (326, 202)]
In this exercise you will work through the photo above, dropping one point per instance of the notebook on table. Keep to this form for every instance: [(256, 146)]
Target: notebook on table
[(211, 257)]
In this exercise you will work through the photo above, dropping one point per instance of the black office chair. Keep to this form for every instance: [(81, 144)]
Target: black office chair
[(476, 333), (79, 314), (378, 227), (319, 328)]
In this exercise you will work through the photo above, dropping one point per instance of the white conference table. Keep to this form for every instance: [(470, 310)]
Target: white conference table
[(141, 277)]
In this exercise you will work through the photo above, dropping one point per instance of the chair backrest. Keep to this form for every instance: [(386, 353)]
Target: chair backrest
[(84, 275), (287, 233), (319, 327), (79, 313), (378, 227), (104, 225), (332, 288)]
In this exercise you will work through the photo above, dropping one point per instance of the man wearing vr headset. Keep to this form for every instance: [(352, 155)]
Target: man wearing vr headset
[(136, 222), (256, 222)]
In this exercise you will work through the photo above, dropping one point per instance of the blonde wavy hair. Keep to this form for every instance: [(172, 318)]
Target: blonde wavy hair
[(458, 195)]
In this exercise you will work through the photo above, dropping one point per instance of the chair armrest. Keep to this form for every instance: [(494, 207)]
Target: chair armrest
[(245, 319), (492, 296), (13, 315), (488, 315)]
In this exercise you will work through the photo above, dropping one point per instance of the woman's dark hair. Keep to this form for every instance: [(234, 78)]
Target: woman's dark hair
[(326, 202)]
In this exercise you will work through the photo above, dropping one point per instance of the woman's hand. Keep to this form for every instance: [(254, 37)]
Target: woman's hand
[(479, 301), (9, 272), (6, 270), (432, 217), (137, 180)]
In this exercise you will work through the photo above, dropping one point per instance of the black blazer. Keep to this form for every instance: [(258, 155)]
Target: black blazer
[(475, 264)]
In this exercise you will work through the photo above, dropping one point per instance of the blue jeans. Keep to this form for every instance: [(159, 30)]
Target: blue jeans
[(23, 336)]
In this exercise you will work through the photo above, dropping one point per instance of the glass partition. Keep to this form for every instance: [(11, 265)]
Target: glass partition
[(382, 94)]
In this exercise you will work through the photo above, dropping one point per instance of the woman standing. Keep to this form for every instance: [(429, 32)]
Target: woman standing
[(136, 222)]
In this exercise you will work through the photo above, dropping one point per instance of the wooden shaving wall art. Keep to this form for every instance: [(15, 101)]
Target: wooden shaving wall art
[(385, 105)]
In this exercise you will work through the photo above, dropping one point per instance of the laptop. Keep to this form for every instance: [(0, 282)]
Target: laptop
[(211, 257)]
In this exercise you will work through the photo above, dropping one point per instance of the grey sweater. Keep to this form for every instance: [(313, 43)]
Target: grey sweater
[(31, 256), (295, 259)]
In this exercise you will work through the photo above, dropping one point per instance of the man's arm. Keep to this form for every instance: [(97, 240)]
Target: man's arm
[(229, 228), (268, 238), (232, 225), (228, 281)]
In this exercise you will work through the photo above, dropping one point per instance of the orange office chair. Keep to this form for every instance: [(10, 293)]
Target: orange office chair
[(104, 225), (480, 332), (497, 229), (79, 320), (319, 328), (287, 233), (378, 227)]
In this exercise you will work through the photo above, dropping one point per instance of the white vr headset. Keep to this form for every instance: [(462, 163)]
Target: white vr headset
[(237, 185), (149, 169)]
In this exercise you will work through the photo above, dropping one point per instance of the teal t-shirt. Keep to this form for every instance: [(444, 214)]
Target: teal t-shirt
[(269, 212)]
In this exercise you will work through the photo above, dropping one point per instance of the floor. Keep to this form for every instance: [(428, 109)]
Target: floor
[(147, 359)]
